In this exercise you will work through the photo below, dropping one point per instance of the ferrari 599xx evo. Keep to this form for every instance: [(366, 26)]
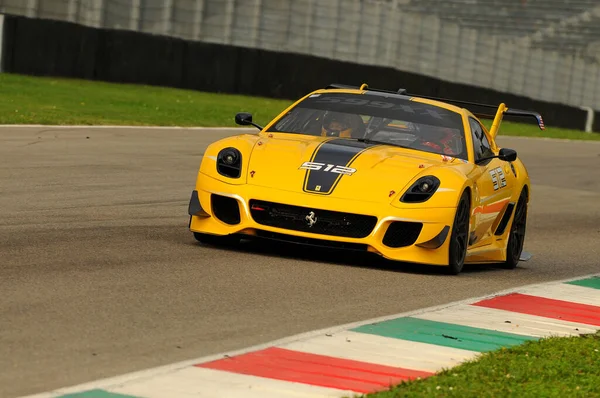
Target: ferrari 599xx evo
[(412, 178)]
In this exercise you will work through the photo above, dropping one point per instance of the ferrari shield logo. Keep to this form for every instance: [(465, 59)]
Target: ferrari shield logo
[(311, 219), (318, 188)]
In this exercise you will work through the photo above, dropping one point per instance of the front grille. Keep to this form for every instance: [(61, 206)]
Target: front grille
[(402, 233), (326, 222), (311, 242), (225, 209)]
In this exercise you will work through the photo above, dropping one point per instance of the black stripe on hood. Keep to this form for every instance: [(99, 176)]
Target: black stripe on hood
[(337, 152)]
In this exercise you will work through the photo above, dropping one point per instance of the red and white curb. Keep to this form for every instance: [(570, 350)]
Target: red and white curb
[(371, 355)]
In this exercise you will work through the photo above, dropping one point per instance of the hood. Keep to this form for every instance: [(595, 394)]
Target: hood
[(336, 167)]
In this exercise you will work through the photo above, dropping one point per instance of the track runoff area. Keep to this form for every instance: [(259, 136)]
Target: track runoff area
[(371, 356)]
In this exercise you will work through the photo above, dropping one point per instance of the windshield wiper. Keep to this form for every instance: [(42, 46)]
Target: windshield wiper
[(370, 141)]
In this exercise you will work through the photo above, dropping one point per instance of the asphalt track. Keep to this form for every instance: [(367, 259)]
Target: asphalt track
[(99, 275)]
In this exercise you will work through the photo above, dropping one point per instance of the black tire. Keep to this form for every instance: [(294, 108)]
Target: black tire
[(516, 236), (216, 239), (459, 238)]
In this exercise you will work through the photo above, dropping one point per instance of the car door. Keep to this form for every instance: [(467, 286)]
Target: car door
[(493, 183)]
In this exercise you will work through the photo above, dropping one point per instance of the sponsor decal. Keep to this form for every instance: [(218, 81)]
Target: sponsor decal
[(410, 108)]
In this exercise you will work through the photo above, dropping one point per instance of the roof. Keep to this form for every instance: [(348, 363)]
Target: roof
[(401, 93)]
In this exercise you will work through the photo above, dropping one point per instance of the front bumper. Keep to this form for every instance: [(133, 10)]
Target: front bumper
[(422, 234)]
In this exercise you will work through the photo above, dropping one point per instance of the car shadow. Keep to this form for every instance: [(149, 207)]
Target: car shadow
[(333, 256)]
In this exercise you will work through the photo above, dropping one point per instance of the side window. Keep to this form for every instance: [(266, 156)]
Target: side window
[(481, 145)]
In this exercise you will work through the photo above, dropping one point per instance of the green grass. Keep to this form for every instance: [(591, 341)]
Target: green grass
[(551, 367), (55, 101), (528, 130)]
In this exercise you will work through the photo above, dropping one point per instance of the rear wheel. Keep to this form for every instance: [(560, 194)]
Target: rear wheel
[(516, 237), (460, 236)]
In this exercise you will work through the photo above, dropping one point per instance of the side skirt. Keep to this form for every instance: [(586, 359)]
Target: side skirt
[(486, 254)]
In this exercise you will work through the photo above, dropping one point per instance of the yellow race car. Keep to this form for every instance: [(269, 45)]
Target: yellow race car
[(412, 178)]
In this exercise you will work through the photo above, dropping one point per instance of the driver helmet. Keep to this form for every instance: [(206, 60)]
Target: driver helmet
[(336, 124), (443, 140)]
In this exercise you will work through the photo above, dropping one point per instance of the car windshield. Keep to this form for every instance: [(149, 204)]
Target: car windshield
[(379, 118)]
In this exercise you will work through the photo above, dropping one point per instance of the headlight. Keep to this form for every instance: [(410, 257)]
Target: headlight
[(229, 163), (421, 190)]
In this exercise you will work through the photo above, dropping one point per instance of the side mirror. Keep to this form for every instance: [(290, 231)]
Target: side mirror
[(508, 155), (243, 119)]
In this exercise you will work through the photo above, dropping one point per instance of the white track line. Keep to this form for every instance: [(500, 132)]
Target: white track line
[(17, 126), (154, 372), (69, 127)]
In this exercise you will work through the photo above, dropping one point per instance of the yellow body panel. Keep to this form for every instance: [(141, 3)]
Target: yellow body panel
[(270, 171), (434, 219)]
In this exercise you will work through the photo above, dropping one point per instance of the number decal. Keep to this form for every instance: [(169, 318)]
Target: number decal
[(332, 168), (494, 179), (498, 178), (502, 177)]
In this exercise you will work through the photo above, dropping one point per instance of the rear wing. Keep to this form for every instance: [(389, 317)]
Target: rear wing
[(500, 110)]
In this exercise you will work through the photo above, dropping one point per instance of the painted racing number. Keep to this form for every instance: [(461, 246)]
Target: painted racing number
[(332, 168), (498, 178)]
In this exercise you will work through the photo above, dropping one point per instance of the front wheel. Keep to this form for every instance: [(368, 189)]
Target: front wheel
[(517, 234), (460, 236)]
